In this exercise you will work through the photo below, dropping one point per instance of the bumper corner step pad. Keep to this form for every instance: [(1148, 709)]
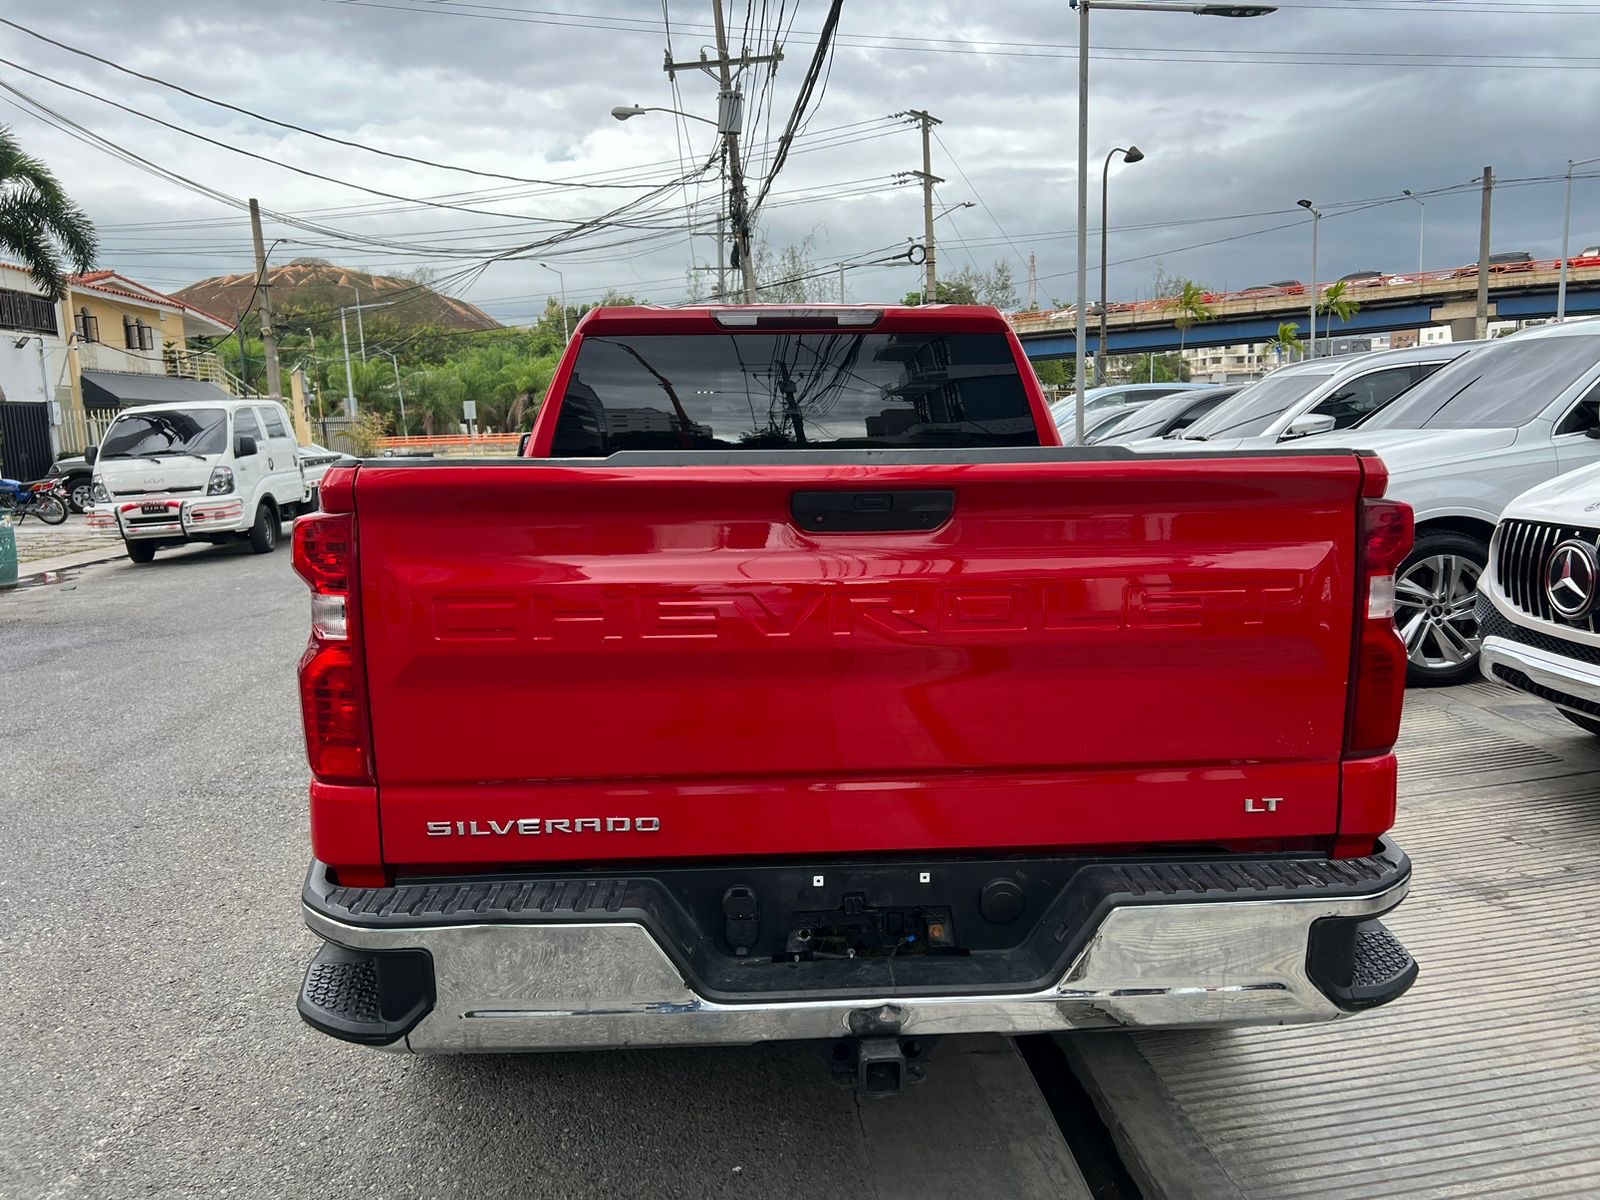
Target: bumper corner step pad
[(373, 999), (1359, 964)]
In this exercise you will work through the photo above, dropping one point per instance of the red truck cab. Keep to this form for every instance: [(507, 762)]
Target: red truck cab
[(796, 683)]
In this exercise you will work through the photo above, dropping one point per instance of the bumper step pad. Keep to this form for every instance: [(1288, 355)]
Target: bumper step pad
[(1359, 964), (362, 996)]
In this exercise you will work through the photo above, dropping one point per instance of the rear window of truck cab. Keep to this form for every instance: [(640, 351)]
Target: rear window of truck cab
[(763, 390)]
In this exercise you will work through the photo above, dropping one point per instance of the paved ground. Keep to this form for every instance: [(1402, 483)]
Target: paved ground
[(42, 547), (150, 863), (1483, 1080)]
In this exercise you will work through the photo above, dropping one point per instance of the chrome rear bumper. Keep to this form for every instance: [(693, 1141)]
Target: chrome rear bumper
[(567, 986)]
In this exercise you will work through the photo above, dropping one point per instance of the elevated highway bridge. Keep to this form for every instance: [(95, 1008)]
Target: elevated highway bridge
[(1517, 292)]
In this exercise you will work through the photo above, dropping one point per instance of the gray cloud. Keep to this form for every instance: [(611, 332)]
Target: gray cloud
[(1224, 138)]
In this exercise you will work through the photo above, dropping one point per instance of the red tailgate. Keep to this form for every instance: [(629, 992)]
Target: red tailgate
[(603, 662)]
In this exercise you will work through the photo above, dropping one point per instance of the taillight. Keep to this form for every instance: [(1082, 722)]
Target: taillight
[(1378, 666), (333, 693)]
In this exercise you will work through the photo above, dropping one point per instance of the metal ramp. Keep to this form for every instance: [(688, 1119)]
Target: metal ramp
[(1485, 1078)]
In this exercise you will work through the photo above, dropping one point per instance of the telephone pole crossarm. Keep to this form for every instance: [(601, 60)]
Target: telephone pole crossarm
[(729, 114)]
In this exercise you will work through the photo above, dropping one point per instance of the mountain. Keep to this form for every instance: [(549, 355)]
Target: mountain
[(314, 287)]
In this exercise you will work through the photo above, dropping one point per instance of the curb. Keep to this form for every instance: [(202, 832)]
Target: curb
[(67, 562)]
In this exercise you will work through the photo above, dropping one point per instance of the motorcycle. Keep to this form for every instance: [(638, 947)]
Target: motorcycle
[(44, 498)]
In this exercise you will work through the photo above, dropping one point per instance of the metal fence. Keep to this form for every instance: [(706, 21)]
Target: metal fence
[(79, 429), (24, 439)]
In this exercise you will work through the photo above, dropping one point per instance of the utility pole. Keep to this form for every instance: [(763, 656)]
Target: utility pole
[(1482, 325), (730, 116), (316, 372), (841, 288), (344, 331), (927, 122), (361, 331), (722, 230), (1033, 280), (268, 341), (404, 430), (349, 382)]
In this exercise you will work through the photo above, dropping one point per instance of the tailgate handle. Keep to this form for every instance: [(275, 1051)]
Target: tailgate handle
[(872, 512)]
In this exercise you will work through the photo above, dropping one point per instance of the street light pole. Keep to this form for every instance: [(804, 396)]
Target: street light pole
[(344, 330), (1130, 154), (349, 382), (1566, 233), (1311, 287), (1080, 337), (566, 337), (404, 431), (1081, 334), (1422, 227)]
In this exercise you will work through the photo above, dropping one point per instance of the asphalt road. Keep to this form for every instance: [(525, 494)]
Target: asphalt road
[(151, 852)]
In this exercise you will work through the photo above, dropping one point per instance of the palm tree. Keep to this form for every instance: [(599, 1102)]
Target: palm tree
[(526, 381), (372, 385), (435, 397), (1189, 308), (1339, 302), (38, 223), (1288, 340)]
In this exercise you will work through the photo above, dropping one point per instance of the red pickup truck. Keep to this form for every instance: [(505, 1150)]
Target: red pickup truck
[(796, 684)]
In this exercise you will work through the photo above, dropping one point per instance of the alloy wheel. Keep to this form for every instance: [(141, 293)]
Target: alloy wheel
[(1435, 607)]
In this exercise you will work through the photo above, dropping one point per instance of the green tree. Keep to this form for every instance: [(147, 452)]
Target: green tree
[(1054, 372), (372, 384), (366, 433), (39, 225), (1337, 301), (790, 276), (950, 291), (1163, 285), (433, 400), (1287, 344), (1188, 309), (1149, 368), (1000, 287)]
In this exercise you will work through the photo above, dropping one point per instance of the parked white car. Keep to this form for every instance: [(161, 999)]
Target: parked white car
[(1318, 396), (165, 474), (1102, 403), (1460, 446), (1539, 600), (316, 460)]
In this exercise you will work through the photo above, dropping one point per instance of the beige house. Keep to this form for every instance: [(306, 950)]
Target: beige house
[(129, 344)]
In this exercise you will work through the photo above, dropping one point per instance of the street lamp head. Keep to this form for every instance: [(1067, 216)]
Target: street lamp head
[(1305, 204), (1133, 154), (623, 111), (1235, 10)]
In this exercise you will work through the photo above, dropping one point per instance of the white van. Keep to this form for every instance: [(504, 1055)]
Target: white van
[(165, 474)]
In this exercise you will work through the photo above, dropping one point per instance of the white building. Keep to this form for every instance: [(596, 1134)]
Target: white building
[(34, 375)]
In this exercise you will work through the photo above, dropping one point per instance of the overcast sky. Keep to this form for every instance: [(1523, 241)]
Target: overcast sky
[(1337, 100)]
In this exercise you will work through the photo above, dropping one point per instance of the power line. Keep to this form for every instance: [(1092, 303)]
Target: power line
[(1022, 262), (1062, 50), (832, 137), (326, 137), (271, 161), (801, 101)]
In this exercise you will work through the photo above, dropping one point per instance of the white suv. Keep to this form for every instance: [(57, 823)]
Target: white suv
[(1460, 446), (206, 471), (1539, 601)]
